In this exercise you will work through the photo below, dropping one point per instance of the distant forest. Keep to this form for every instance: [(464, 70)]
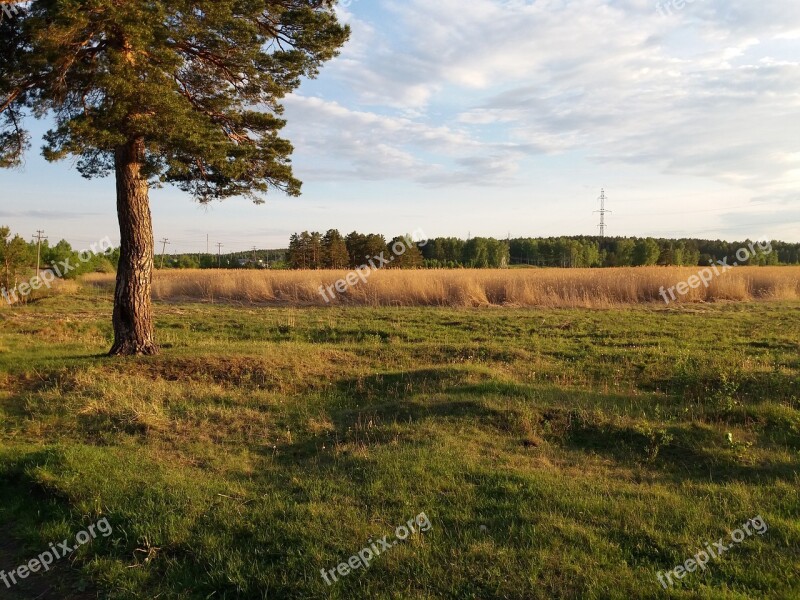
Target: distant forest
[(332, 250)]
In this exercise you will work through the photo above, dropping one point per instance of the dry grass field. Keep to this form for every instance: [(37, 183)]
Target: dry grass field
[(574, 288)]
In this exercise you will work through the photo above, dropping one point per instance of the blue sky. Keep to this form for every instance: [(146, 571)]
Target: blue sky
[(494, 117)]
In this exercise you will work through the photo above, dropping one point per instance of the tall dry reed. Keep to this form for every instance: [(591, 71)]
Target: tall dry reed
[(471, 288)]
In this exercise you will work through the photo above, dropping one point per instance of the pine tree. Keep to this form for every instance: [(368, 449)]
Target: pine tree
[(374, 245), (161, 92), (409, 258), (315, 251), (356, 249), (334, 251), (295, 255)]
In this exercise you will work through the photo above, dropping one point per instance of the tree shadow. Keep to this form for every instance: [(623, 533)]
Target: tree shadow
[(678, 453), (22, 503)]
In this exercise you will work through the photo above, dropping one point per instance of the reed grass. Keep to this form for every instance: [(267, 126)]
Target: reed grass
[(573, 288)]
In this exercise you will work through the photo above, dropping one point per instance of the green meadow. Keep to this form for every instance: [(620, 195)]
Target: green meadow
[(557, 453)]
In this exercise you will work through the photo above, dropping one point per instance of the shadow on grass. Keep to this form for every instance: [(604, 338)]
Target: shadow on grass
[(678, 452), (675, 450), (24, 508)]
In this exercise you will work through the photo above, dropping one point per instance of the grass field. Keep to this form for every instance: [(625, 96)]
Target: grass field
[(473, 288), (557, 453)]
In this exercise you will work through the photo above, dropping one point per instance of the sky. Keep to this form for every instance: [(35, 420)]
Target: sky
[(506, 117)]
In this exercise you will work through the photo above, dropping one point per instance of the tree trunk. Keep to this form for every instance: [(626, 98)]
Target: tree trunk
[(133, 311)]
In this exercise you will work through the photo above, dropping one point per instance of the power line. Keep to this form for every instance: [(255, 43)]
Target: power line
[(39, 237), (690, 212), (165, 241)]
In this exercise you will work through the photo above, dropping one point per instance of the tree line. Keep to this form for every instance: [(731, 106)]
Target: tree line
[(18, 259), (313, 250), (334, 251), (589, 252)]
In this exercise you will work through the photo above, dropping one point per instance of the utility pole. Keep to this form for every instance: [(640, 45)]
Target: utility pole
[(219, 255), (254, 256), (39, 237), (165, 241), (603, 213)]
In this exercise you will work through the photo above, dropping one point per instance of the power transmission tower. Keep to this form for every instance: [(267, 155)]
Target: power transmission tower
[(603, 213), (39, 237), (165, 241), (219, 255)]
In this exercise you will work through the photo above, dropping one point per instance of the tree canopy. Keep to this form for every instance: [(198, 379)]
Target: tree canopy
[(200, 82)]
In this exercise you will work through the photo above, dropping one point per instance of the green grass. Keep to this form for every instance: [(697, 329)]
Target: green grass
[(557, 453)]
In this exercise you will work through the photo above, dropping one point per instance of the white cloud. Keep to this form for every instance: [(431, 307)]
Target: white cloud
[(340, 143), (452, 92)]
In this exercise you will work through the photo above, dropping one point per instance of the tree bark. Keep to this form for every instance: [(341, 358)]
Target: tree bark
[(133, 310)]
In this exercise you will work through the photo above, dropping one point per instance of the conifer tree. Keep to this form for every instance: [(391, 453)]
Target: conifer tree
[(334, 251), (181, 92)]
